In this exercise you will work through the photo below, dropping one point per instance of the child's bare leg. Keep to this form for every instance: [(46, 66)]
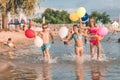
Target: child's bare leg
[(44, 56), (98, 51), (48, 54), (92, 50), (81, 52), (81, 55), (77, 54)]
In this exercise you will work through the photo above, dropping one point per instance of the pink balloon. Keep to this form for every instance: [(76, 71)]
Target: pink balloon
[(102, 31)]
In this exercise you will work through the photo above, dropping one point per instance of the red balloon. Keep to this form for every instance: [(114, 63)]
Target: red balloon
[(29, 33)]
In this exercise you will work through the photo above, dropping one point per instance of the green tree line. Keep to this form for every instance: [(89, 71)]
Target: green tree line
[(62, 17), (101, 17), (54, 17)]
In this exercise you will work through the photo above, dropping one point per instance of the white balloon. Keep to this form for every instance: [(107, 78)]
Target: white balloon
[(38, 41), (63, 32)]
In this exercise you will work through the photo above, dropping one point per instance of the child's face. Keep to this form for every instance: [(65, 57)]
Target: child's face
[(92, 22), (45, 27), (75, 29)]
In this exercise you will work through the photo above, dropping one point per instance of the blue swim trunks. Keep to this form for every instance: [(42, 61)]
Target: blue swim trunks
[(44, 46)]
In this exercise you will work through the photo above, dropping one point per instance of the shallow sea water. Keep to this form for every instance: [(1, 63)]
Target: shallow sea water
[(27, 63)]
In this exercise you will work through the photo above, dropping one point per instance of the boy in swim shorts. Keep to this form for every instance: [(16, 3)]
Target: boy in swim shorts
[(45, 34)]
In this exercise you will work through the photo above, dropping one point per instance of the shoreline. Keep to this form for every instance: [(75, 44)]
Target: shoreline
[(18, 38)]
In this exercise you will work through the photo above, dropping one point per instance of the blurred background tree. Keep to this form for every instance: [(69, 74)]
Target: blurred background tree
[(55, 17), (62, 17), (101, 17), (15, 6)]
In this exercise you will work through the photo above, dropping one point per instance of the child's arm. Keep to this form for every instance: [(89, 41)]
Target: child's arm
[(84, 34), (54, 33), (87, 35), (92, 36), (52, 37), (68, 39), (39, 33), (81, 26)]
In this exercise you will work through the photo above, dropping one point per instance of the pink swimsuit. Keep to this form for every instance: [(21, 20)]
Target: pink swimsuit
[(93, 31)]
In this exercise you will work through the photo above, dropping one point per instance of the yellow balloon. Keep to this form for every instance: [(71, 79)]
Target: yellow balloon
[(73, 17), (81, 12)]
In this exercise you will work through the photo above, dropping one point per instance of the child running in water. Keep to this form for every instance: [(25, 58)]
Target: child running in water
[(94, 41), (45, 34), (77, 36)]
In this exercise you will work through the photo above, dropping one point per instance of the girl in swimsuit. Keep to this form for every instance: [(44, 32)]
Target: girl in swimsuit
[(94, 41), (77, 36)]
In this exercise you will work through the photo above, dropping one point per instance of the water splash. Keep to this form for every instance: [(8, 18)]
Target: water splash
[(87, 57), (71, 57), (53, 60)]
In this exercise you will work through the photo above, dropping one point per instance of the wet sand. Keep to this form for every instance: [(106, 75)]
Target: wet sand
[(9, 71), (19, 39)]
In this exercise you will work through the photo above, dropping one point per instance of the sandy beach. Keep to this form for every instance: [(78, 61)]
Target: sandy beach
[(18, 37)]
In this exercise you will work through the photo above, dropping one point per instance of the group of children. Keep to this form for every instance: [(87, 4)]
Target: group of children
[(78, 33)]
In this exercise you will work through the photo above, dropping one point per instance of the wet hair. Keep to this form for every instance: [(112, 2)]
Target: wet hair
[(44, 25), (94, 21), (75, 25), (9, 39)]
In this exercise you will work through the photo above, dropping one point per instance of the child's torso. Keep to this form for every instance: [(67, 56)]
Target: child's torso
[(45, 37), (78, 39), (93, 31)]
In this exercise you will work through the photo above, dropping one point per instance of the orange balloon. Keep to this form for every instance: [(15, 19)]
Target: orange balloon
[(73, 17)]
